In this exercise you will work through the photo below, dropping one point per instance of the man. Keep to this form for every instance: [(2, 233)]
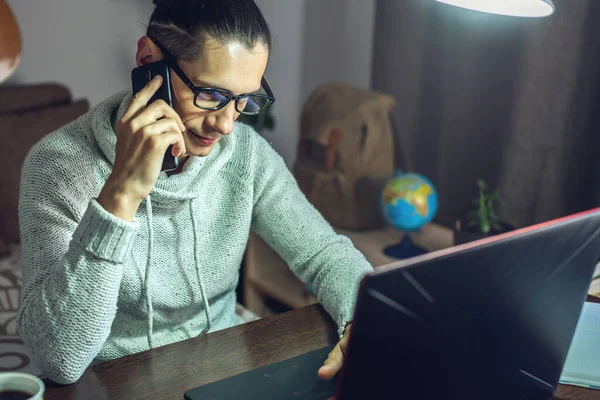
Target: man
[(120, 257)]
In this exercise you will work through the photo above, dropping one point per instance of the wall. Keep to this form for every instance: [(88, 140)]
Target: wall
[(87, 45), (338, 42), (511, 100), (90, 47), (284, 72), (454, 93), (315, 42)]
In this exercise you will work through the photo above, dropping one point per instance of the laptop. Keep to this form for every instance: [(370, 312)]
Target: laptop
[(491, 319)]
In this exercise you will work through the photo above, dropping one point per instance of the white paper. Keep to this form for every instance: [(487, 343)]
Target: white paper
[(582, 367)]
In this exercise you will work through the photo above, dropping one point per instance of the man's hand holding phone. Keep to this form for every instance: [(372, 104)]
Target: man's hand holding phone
[(144, 134)]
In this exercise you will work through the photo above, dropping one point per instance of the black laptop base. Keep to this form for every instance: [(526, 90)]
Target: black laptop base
[(490, 320), (295, 378)]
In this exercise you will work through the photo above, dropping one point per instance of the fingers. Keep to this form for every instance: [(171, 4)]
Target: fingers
[(179, 148), (140, 114), (335, 359), (140, 99), (164, 140), (161, 126), (333, 364), (160, 109)]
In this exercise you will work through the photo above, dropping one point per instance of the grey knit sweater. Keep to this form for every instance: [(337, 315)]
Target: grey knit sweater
[(97, 287)]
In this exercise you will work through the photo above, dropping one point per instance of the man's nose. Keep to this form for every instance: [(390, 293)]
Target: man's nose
[(222, 120)]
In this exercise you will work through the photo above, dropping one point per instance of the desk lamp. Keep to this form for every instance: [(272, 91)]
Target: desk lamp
[(515, 8), (10, 42)]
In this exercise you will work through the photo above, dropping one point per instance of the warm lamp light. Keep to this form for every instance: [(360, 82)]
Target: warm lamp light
[(10, 42), (515, 8)]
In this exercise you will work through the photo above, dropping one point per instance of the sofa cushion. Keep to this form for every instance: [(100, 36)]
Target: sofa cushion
[(18, 133), (16, 99), (14, 356)]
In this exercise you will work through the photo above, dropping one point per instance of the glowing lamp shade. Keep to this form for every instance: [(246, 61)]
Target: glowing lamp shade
[(515, 8), (10, 42)]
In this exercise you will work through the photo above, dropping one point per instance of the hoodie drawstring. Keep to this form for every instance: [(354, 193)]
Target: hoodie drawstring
[(147, 275), (198, 274), (149, 309)]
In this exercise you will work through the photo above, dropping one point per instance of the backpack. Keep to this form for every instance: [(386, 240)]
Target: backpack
[(345, 153)]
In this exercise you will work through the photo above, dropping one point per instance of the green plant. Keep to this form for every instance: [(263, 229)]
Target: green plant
[(484, 218)]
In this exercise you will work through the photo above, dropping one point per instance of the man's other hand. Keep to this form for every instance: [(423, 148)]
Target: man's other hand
[(335, 359)]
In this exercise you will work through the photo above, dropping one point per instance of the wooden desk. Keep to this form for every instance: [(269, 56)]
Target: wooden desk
[(167, 372)]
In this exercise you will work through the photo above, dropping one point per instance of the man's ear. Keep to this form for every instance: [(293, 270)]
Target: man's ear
[(147, 52)]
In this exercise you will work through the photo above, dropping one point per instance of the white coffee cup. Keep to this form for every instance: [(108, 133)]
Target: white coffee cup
[(22, 382)]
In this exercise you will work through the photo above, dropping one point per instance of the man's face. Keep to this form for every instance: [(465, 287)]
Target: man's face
[(224, 66)]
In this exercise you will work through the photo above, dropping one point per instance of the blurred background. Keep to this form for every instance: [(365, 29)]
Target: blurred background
[(463, 97)]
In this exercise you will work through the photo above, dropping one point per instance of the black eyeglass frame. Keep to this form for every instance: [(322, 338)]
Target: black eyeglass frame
[(197, 90)]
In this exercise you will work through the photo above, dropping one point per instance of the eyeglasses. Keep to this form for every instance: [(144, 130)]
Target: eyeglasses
[(208, 98)]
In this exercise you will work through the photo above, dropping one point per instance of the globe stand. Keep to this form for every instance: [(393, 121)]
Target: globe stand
[(405, 249)]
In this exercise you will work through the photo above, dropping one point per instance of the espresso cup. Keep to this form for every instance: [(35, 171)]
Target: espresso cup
[(13, 384)]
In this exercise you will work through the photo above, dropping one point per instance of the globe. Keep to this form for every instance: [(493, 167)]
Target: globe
[(408, 201)]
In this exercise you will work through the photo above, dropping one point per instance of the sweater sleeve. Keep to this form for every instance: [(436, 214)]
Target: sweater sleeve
[(72, 271), (291, 226)]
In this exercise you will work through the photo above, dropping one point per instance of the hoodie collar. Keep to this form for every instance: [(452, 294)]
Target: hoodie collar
[(179, 187)]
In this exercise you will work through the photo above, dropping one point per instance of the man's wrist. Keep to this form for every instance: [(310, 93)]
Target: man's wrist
[(346, 327), (118, 203)]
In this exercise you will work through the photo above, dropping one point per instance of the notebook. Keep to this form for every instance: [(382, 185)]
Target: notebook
[(582, 367)]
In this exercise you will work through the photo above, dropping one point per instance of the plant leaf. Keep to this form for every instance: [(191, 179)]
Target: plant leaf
[(496, 226), (482, 213), (485, 226)]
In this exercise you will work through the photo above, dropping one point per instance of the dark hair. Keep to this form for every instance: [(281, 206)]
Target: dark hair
[(182, 26)]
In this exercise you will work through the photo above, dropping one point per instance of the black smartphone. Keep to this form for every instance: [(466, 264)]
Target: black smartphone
[(140, 77)]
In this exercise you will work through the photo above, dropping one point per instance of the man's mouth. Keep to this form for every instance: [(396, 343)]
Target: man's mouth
[(202, 139)]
